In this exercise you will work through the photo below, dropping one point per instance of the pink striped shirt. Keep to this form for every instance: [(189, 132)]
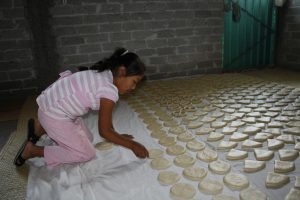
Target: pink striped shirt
[(72, 95)]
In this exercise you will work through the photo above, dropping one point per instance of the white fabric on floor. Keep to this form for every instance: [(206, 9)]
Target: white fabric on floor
[(118, 174), (114, 174)]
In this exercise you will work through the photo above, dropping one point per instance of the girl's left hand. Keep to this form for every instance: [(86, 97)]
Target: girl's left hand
[(127, 136)]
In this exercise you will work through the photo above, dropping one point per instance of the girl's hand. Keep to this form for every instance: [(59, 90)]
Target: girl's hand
[(128, 136), (139, 150)]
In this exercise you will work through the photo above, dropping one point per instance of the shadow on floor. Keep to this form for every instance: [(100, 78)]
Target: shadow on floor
[(10, 108)]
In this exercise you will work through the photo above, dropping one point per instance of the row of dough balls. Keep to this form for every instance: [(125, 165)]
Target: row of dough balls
[(208, 186), (162, 93), (230, 105), (235, 181), (232, 92), (243, 84), (235, 137), (273, 180), (235, 124), (234, 154), (193, 87), (171, 100), (187, 191), (211, 156)]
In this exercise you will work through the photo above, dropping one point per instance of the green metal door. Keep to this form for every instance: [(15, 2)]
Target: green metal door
[(249, 34)]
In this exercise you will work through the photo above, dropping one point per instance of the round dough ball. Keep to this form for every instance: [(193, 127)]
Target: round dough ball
[(218, 124), (204, 130), (219, 167), (195, 145), (210, 186), (207, 155), (182, 191), (194, 173), (252, 193), (185, 137), (167, 141), (215, 136), (158, 134), (236, 181), (104, 145), (155, 153), (184, 160), (160, 163), (175, 150), (176, 130), (194, 124), (168, 177), (223, 197)]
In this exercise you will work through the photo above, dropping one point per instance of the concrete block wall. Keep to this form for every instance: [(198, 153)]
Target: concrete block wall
[(172, 37), (17, 74), (288, 46)]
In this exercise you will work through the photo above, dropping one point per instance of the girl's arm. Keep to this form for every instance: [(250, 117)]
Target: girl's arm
[(107, 132)]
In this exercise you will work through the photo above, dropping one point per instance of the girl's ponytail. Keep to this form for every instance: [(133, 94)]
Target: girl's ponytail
[(109, 63), (120, 57)]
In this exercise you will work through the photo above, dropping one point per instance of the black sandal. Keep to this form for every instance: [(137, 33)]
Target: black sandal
[(31, 136), (19, 161)]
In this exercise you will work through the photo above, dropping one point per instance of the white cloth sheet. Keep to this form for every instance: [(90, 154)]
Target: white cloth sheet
[(118, 174), (114, 174)]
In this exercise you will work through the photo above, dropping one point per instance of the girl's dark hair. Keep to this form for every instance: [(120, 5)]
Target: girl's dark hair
[(120, 57)]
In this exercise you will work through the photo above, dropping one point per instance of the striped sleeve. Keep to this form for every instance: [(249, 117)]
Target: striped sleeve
[(108, 91), (105, 87)]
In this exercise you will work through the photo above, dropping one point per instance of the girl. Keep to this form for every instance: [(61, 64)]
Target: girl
[(63, 103)]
